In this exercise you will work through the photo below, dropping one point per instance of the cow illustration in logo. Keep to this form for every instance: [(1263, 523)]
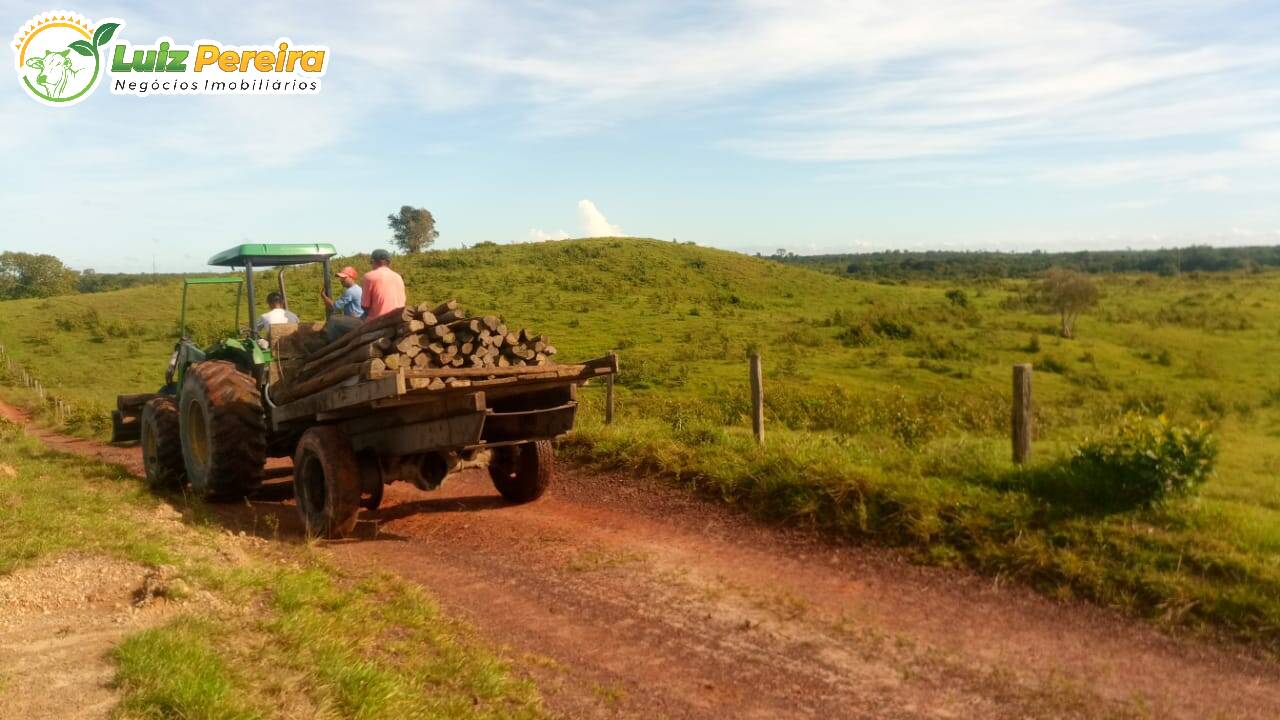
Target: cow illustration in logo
[(58, 56), (56, 71)]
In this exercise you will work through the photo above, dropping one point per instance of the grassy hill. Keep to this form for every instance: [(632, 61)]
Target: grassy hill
[(887, 403)]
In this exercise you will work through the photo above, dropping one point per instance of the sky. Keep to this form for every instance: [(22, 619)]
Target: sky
[(811, 126)]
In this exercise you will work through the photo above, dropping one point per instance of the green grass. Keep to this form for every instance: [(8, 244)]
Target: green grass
[(886, 402), (177, 671), (265, 634), (52, 503)]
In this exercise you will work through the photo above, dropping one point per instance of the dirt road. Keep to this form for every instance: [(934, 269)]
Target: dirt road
[(625, 597)]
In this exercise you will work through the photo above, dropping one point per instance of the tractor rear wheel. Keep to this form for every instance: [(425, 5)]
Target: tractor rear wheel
[(224, 432), (326, 482), (522, 473), (161, 443)]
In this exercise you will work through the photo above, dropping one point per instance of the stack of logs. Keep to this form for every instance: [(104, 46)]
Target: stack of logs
[(420, 337)]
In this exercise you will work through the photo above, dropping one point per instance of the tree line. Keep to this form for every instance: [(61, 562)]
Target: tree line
[(903, 264), (34, 275)]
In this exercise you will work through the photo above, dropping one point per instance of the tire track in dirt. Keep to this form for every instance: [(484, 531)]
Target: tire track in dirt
[(625, 597)]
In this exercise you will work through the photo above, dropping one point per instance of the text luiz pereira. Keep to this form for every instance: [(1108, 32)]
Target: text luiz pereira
[(208, 67)]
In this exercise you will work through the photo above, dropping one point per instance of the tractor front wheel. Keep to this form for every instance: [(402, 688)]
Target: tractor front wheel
[(224, 431), (522, 473), (161, 443), (326, 482)]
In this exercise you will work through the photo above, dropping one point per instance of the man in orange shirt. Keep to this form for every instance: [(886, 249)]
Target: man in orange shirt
[(383, 287)]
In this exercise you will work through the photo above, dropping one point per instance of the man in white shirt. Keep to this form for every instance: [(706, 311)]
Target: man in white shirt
[(277, 315)]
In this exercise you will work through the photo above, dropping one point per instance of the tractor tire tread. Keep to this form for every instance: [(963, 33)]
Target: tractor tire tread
[(238, 429)]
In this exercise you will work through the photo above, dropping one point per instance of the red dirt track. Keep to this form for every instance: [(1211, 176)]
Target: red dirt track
[(624, 597)]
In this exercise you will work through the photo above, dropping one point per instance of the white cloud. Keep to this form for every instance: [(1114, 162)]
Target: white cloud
[(1212, 183), (540, 235), (594, 223)]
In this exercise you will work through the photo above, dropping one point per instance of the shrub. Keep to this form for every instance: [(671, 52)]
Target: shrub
[(9, 430), (958, 297), (855, 336), (1033, 346), (1052, 364), (1145, 461), (893, 328)]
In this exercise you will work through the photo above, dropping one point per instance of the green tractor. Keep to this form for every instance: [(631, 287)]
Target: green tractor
[(208, 424)]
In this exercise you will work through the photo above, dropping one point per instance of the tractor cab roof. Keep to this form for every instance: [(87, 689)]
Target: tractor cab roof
[(273, 254)]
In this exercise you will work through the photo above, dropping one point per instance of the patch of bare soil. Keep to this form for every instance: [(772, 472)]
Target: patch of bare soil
[(58, 623), (625, 597)]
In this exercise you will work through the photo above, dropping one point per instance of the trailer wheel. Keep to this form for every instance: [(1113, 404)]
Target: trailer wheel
[(326, 482), (162, 445), (224, 432), (522, 473)]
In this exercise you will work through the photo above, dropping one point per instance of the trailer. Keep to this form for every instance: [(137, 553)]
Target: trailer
[(356, 438)]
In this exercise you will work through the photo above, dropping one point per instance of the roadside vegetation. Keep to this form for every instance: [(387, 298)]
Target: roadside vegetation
[(261, 631), (887, 404)]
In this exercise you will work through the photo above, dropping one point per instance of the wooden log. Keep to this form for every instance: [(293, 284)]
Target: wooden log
[(365, 346), (360, 336), (426, 383), (444, 307), (438, 331), (422, 361), (394, 361), (491, 322), (411, 327), (403, 344), (427, 314), (1021, 435), (298, 390)]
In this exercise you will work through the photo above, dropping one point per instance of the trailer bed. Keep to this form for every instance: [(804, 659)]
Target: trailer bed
[(408, 387)]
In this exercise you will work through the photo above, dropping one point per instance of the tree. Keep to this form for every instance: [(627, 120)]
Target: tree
[(414, 228), (1069, 293), (24, 275)]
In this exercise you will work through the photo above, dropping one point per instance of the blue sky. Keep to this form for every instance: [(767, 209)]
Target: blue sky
[(818, 127)]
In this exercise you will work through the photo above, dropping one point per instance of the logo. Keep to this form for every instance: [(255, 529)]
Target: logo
[(60, 56)]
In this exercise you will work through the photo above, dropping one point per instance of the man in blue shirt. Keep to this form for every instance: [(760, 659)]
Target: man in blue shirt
[(350, 314)]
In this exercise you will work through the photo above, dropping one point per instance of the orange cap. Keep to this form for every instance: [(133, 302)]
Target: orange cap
[(347, 272)]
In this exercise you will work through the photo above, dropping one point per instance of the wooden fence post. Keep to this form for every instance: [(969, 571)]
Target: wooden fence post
[(757, 398), (1021, 413), (608, 399)]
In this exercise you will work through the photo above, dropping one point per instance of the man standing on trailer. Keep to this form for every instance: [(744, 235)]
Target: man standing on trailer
[(383, 287)]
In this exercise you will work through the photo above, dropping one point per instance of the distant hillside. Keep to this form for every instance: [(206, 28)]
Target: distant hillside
[(901, 264)]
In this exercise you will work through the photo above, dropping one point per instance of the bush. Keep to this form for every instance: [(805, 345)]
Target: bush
[(1145, 461), (893, 328), (1052, 365)]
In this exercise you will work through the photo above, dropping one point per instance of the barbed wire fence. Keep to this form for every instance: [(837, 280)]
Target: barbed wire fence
[(62, 409)]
